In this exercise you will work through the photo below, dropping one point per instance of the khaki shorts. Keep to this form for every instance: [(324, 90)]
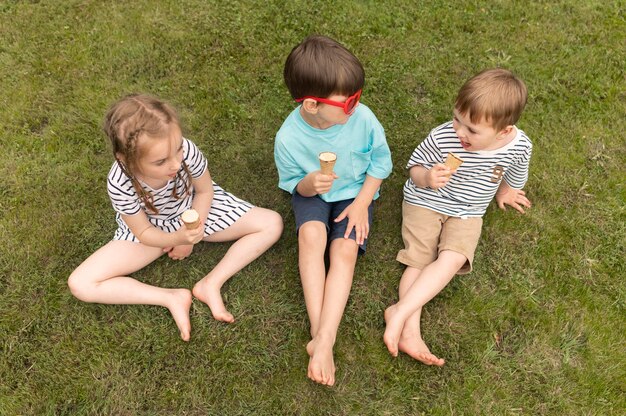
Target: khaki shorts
[(426, 233)]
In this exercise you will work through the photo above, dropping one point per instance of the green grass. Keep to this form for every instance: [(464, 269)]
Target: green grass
[(537, 328)]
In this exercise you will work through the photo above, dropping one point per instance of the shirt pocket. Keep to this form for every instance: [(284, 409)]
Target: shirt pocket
[(360, 163)]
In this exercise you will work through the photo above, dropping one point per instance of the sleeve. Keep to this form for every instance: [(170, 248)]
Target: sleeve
[(289, 172), (381, 164), (426, 154), (123, 196), (517, 174), (193, 157)]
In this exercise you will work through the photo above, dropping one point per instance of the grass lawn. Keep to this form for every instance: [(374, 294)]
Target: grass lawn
[(537, 329)]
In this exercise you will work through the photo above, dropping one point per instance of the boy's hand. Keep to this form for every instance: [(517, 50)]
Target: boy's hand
[(438, 176), (322, 183), (179, 252), (513, 197), (187, 236), (358, 219)]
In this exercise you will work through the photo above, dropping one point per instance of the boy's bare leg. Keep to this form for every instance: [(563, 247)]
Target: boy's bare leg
[(102, 278), (428, 284), (411, 341), (343, 255), (312, 239), (255, 232)]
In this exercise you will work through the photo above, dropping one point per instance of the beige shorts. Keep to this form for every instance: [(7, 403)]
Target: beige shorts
[(426, 233)]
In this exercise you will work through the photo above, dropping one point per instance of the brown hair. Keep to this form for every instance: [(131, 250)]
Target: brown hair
[(133, 116), (321, 67), (495, 95)]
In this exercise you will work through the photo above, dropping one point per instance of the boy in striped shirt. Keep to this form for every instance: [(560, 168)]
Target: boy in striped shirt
[(443, 208)]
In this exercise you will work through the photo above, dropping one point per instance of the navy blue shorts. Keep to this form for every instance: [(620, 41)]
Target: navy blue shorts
[(314, 208)]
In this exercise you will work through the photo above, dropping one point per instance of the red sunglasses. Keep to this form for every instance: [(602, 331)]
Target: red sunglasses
[(348, 106)]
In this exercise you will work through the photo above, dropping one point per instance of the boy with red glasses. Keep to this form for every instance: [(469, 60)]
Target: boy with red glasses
[(334, 210)]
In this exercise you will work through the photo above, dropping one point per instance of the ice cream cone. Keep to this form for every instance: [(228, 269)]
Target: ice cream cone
[(453, 161), (327, 162), (191, 219)]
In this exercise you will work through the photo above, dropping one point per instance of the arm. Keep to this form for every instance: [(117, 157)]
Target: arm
[(357, 211), (505, 195), (179, 243), (435, 178), (202, 199), (151, 236), (315, 183)]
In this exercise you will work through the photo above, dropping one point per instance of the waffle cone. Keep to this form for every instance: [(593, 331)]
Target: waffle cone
[(327, 162), (453, 161), (191, 219)]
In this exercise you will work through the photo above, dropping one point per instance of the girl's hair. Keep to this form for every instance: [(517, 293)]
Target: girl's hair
[(141, 115), (321, 67), (495, 95)]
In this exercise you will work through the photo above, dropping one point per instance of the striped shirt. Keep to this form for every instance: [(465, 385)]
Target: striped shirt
[(473, 186), (225, 207)]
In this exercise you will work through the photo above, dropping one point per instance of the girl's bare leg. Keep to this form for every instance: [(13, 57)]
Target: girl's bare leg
[(255, 232), (103, 278), (343, 255)]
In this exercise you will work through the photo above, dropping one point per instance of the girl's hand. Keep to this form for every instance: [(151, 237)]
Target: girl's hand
[(438, 176), (179, 252), (187, 236), (358, 219)]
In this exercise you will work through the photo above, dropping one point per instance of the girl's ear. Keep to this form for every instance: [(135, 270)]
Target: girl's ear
[(120, 157), (310, 106)]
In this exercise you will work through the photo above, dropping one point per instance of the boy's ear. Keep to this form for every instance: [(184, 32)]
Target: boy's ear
[(310, 106), (506, 131)]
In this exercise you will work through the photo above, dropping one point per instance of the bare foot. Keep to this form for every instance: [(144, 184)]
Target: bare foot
[(210, 294), (414, 346), (179, 308), (394, 328), (321, 364)]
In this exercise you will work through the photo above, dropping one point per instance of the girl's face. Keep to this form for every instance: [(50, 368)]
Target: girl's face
[(160, 158)]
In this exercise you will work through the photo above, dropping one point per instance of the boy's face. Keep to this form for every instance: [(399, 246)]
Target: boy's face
[(478, 136)]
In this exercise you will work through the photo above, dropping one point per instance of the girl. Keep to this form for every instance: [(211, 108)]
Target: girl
[(156, 176)]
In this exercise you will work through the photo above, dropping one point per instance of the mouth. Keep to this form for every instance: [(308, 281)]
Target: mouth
[(465, 144)]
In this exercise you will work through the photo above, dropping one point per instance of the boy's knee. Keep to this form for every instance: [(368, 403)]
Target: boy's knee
[(345, 247), (312, 233), (454, 258)]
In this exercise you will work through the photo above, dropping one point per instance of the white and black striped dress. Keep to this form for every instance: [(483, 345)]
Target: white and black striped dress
[(473, 186), (225, 208)]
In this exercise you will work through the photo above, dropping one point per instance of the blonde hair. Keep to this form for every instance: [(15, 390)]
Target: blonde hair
[(495, 95), (140, 115)]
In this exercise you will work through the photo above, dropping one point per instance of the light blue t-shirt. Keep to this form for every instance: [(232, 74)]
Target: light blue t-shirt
[(360, 146)]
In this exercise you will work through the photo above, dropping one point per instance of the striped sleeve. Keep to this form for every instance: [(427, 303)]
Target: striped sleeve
[(517, 174), (195, 160), (121, 192), (427, 153)]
